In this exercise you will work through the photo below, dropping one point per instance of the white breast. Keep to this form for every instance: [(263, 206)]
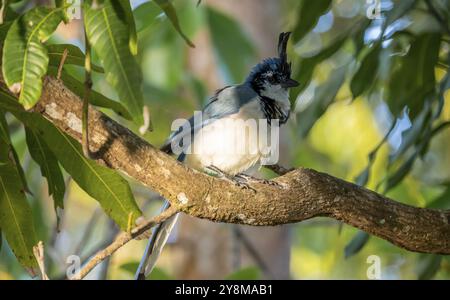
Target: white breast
[(230, 144)]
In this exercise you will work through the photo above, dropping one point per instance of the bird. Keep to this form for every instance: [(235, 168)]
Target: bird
[(211, 145)]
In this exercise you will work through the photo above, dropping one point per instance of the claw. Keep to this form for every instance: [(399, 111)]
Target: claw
[(258, 180), (236, 180)]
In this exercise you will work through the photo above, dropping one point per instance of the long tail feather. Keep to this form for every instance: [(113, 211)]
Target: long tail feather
[(155, 245)]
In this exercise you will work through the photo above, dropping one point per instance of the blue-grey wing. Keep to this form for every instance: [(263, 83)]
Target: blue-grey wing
[(225, 102)]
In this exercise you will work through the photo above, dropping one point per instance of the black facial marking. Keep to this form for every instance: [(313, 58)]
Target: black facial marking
[(273, 111)]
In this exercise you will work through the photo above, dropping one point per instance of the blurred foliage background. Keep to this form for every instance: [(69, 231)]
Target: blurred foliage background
[(373, 107)]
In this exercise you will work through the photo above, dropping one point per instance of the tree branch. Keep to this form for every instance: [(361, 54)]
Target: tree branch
[(123, 239), (304, 193)]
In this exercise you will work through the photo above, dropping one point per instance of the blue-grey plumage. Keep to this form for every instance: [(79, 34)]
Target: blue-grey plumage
[(212, 143)]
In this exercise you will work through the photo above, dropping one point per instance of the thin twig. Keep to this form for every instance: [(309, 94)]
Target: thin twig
[(112, 232), (38, 252), (61, 63), (123, 239)]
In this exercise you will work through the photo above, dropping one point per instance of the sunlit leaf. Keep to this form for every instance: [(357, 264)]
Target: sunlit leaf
[(101, 183), (25, 58), (109, 36)]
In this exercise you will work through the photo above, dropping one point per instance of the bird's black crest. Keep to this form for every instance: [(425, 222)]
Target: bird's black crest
[(282, 45)]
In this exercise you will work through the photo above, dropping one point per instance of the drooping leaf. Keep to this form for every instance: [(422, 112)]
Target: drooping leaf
[(145, 14), (167, 7), (48, 163), (366, 73), (308, 15), (356, 244), (6, 139), (101, 183), (394, 179), (25, 58), (16, 220), (109, 36), (95, 98), (413, 77), (325, 95), (74, 57), (133, 43), (225, 34)]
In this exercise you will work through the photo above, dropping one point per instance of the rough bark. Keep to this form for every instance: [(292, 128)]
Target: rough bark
[(304, 193)]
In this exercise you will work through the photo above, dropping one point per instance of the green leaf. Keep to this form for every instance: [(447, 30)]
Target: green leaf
[(397, 177), (12, 153), (48, 163), (429, 266), (167, 7), (95, 98), (74, 57), (16, 220), (101, 183), (367, 72), (356, 244), (66, 5), (145, 14), (247, 273), (324, 96), (226, 34), (25, 58), (442, 201), (413, 78), (133, 43), (109, 36), (308, 15)]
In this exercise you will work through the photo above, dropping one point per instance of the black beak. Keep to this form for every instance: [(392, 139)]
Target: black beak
[(289, 83)]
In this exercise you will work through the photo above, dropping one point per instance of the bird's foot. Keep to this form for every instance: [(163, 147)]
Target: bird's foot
[(249, 178), (236, 180)]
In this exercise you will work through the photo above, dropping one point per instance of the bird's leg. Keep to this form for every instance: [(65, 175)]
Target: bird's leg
[(249, 178), (213, 170)]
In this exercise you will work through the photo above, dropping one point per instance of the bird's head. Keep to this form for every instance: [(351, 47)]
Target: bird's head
[(272, 76)]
